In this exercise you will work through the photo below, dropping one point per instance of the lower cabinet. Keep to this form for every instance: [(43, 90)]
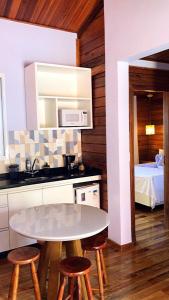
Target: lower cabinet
[(58, 194), (17, 201), (13, 200), (29, 198), (4, 223), (4, 240), (4, 217)]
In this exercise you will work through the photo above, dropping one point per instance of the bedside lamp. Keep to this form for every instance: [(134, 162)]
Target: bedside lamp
[(150, 129)]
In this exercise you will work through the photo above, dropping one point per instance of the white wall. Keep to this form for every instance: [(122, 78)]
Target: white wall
[(133, 29), (22, 44)]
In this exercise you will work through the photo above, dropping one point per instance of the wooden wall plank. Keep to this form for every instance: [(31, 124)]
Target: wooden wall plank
[(92, 54)]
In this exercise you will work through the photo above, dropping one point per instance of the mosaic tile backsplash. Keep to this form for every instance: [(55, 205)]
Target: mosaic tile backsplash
[(46, 145)]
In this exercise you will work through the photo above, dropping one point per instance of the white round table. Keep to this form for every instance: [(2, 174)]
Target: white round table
[(55, 223)]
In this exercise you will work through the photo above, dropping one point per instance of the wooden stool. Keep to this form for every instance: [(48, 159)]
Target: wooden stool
[(97, 244), (23, 256), (74, 267)]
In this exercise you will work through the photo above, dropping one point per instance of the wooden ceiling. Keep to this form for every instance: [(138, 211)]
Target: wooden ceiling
[(162, 56), (69, 15)]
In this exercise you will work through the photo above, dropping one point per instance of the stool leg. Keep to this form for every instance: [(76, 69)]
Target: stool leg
[(88, 287), (79, 288), (35, 281), (14, 283), (99, 270), (73, 248), (103, 267), (61, 288), (71, 290)]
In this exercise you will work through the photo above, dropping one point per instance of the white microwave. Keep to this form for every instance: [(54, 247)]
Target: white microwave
[(73, 117)]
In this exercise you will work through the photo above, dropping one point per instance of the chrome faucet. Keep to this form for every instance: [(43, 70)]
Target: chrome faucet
[(30, 168)]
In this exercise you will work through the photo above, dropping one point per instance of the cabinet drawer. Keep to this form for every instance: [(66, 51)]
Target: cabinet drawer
[(3, 217), (4, 240), (3, 200)]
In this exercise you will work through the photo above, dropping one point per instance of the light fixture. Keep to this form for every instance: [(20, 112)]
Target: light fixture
[(150, 129)]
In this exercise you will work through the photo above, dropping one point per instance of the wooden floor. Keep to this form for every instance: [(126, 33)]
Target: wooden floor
[(140, 273)]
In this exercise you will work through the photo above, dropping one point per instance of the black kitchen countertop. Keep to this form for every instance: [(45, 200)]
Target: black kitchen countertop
[(44, 175)]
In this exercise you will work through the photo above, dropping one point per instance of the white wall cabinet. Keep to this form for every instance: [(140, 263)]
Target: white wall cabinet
[(51, 88), (58, 194)]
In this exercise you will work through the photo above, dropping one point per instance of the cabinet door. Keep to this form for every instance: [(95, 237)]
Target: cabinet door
[(3, 200), (58, 194), (21, 200), (4, 238), (3, 217)]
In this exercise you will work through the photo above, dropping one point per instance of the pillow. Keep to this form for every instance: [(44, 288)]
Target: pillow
[(161, 151), (159, 159)]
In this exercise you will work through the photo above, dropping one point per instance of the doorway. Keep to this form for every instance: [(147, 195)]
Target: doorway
[(154, 81)]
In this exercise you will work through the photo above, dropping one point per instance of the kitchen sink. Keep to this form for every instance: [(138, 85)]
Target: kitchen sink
[(34, 179)]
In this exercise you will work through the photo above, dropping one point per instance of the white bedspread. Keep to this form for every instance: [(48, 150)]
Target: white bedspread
[(150, 181)]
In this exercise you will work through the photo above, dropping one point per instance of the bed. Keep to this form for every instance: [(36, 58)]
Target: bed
[(149, 185)]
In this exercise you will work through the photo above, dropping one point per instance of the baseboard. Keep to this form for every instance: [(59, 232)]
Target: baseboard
[(121, 248)]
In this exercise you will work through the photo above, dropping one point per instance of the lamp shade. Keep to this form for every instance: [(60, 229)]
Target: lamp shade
[(150, 129)]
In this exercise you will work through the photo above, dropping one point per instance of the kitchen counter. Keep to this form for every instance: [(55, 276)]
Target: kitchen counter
[(45, 175), (49, 186)]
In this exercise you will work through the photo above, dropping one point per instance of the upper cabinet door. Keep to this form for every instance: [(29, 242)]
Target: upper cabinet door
[(50, 89)]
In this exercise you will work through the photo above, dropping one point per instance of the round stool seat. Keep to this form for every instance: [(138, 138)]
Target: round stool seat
[(23, 256), (94, 244), (74, 266)]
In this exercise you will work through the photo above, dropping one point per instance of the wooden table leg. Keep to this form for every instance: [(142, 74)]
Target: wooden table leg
[(43, 268), (51, 253), (73, 248), (54, 276)]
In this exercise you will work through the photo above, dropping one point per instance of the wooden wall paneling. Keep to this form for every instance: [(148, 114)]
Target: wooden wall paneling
[(98, 69), (93, 31), (92, 54), (77, 52), (142, 120)]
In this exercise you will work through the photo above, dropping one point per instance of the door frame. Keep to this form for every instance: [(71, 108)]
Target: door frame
[(142, 79)]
